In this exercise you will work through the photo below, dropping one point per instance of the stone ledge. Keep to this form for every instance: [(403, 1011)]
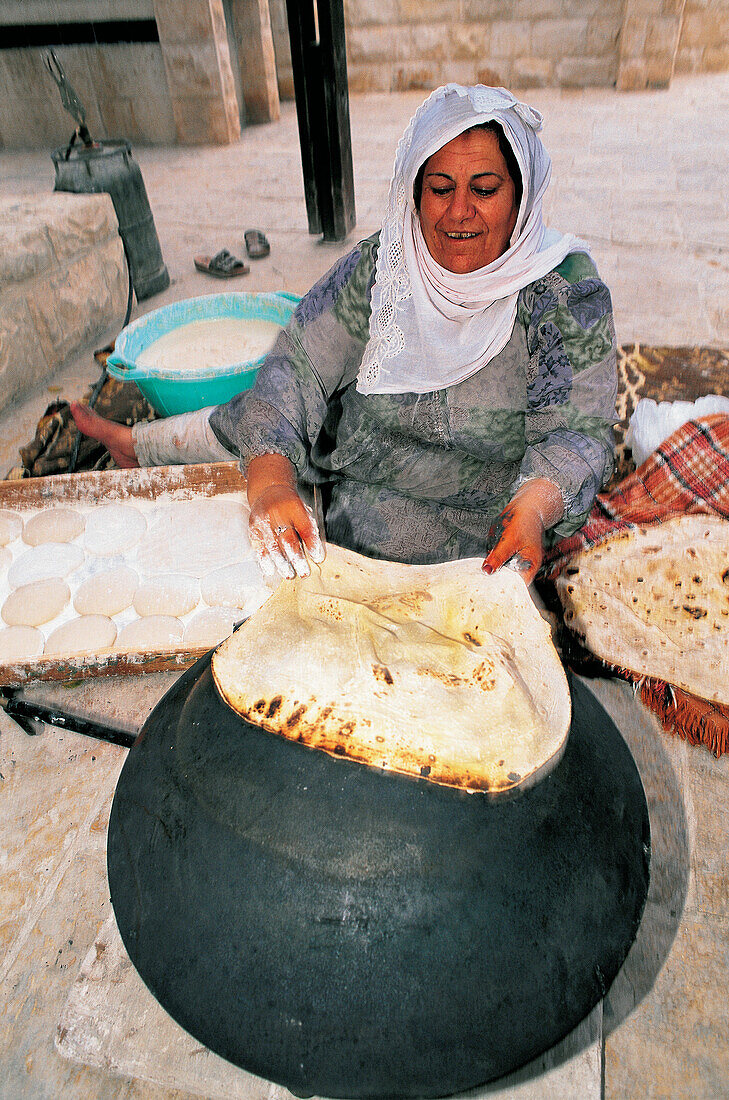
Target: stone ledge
[(63, 284)]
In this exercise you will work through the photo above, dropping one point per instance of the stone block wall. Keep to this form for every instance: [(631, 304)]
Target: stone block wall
[(251, 29), (394, 45), (282, 48), (211, 70), (197, 57), (123, 89), (63, 283)]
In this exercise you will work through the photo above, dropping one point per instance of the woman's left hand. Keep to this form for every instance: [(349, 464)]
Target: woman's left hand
[(519, 529)]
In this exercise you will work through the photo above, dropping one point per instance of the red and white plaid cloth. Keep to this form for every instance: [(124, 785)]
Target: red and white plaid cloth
[(688, 474)]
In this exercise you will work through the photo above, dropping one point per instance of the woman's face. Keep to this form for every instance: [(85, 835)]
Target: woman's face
[(467, 209)]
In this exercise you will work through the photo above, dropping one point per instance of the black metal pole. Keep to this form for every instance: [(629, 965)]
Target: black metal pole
[(319, 62), (25, 714)]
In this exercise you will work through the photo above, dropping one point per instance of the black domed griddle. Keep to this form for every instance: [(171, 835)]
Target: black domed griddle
[(349, 932)]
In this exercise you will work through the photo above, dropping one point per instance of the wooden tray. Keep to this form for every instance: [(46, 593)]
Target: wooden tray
[(108, 487)]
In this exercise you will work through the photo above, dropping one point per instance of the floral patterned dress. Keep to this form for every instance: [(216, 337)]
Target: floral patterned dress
[(420, 477)]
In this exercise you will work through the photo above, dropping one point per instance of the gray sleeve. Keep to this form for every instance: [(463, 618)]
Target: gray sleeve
[(187, 438), (316, 355), (571, 387)]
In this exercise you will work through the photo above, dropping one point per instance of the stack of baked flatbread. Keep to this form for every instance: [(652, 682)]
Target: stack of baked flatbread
[(655, 601), (438, 672)]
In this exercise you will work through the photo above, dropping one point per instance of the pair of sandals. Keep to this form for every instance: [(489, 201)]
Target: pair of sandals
[(224, 265)]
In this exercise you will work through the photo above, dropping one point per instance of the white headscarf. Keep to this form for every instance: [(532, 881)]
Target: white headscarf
[(430, 327)]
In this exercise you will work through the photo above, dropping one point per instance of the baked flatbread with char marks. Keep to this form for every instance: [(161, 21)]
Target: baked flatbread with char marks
[(438, 672), (655, 600)]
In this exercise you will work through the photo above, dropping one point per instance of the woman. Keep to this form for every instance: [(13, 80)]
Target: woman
[(450, 383)]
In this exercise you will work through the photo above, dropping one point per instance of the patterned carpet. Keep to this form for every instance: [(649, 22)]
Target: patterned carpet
[(665, 374)]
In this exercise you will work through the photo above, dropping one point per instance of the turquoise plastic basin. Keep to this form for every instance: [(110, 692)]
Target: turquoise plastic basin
[(169, 391)]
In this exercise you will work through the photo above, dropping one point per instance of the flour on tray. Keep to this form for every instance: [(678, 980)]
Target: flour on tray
[(194, 537), (142, 574), (11, 525), (113, 529)]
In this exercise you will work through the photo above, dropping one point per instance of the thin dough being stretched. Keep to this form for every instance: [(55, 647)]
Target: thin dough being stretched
[(438, 672)]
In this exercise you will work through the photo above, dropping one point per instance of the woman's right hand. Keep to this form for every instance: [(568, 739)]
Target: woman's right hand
[(282, 529)]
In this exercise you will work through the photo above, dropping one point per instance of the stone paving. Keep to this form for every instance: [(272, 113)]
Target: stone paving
[(643, 178)]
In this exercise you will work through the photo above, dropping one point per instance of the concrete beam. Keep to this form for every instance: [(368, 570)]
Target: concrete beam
[(196, 53), (648, 44), (256, 59)]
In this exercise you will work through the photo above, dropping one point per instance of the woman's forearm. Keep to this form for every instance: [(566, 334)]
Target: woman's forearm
[(266, 471), (186, 438)]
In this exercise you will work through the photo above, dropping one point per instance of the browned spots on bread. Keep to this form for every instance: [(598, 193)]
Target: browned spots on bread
[(274, 706)]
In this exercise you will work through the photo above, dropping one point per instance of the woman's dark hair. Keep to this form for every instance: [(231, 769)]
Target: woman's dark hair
[(504, 148)]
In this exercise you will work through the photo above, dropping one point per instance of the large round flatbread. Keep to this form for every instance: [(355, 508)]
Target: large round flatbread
[(655, 600), (439, 672)]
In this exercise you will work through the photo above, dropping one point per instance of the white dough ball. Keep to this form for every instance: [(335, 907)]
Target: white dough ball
[(20, 642), (106, 593), (34, 604), (233, 585), (154, 632), (52, 559), (87, 634), (53, 525), (167, 594), (211, 625)]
